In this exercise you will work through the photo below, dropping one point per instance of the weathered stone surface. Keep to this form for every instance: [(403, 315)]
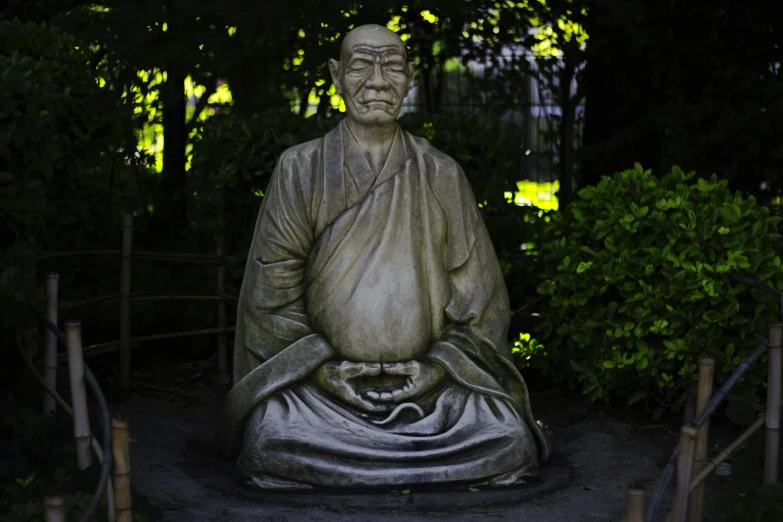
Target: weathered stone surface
[(371, 343)]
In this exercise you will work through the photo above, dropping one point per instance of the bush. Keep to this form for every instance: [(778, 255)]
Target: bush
[(637, 271), (60, 134)]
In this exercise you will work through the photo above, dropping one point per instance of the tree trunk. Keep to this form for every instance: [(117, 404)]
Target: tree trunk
[(621, 104), (172, 199), (567, 107)]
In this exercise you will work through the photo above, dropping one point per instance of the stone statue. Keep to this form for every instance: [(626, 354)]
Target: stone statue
[(371, 343)]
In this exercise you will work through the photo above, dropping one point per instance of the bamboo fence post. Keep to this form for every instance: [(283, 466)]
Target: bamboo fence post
[(688, 436), (221, 284), (635, 504), (726, 453), (703, 396), (121, 472), (125, 285), (50, 342), (81, 419), (773, 405), (55, 508)]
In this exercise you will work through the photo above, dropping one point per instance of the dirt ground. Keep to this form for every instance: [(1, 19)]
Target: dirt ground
[(177, 476)]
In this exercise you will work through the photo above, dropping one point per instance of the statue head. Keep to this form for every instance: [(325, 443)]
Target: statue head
[(373, 75)]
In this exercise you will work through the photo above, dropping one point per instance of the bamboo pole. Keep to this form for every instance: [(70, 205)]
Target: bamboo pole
[(55, 508), (146, 297), (635, 504), (50, 343), (222, 322), (773, 405), (121, 475), (703, 396), (662, 483), (113, 346), (174, 257), (688, 436), (81, 420), (125, 284), (221, 284), (726, 453)]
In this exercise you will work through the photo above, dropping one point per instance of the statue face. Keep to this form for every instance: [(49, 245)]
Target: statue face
[(372, 75)]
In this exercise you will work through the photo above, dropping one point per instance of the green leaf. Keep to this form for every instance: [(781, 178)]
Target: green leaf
[(636, 396), (406, 491), (732, 309), (711, 316), (609, 364), (577, 366), (582, 266)]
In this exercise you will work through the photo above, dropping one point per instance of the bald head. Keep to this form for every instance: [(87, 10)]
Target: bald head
[(373, 75), (370, 35)]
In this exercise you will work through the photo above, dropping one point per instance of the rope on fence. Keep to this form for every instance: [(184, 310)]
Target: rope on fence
[(146, 296), (717, 399), (173, 257)]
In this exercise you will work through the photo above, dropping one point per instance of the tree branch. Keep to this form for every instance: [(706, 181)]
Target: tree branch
[(201, 105)]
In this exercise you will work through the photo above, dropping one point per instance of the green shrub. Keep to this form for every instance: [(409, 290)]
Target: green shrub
[(237, 153), (61, 137), (637, 271)]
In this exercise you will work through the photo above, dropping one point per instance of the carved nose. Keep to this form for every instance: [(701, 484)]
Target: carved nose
[(376, 80)]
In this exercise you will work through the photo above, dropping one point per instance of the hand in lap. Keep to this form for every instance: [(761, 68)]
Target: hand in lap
[(422, 376), (334, 377)]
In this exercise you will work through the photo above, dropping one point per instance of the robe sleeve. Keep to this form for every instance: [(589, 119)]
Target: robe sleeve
[(474, 348), (274, 343)]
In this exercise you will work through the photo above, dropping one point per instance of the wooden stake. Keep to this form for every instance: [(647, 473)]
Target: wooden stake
[(121, 474), (221, 283), (222, 322), (635, 504), (125, 285), (703, 396), (688, 436), (55, 508), (773, 404), (50, 343), (81, 419)]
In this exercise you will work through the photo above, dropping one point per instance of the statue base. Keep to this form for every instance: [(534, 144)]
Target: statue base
[(431, 498)]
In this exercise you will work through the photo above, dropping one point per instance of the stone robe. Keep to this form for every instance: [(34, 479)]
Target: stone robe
[(345, 265)]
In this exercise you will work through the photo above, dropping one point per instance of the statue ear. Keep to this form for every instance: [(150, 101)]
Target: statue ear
[(334, 69), (409, 69)]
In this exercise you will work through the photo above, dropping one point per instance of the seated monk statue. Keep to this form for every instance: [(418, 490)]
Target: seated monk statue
[(371, 343)]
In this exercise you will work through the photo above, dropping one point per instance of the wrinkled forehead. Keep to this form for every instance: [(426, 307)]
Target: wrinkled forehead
[(381, 43)]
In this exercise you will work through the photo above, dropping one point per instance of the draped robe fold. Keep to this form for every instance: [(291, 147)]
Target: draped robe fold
[(347, 265)]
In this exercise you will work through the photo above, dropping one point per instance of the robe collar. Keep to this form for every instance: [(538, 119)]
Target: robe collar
[(358, 166), (347, 173)]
